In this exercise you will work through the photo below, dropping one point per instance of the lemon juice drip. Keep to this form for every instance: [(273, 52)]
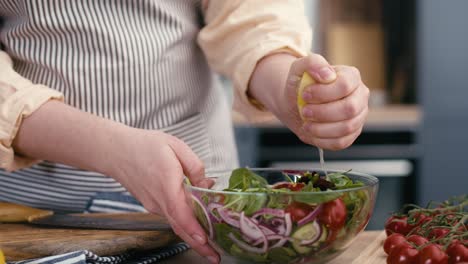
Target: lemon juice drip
[(322, 161)]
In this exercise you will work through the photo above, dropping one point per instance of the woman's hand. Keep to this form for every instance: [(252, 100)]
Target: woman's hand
[(152, 166), (337, 105), (149, 164)]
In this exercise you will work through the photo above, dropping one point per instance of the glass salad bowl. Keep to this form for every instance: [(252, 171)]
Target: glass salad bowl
[(283, 216)]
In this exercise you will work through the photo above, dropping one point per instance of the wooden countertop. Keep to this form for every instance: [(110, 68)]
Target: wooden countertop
[(385, 117), (366, 249)]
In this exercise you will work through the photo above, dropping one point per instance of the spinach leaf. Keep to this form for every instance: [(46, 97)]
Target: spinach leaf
[(240, 253), (243, 178), (342, 181), (221, 235), (236, 202), (244, 202), (200, 215), (281, 255), (255, 203), (280, 201)]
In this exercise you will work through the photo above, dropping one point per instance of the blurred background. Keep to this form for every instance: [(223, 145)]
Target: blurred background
[(412, 55)]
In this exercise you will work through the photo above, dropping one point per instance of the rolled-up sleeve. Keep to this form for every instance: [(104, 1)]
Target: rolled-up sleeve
[(239, 33), (19, 98)]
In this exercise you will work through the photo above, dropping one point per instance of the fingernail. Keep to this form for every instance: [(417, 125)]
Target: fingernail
[(198, 238), (212, 259), (306, 96), (327, 74), (306, 112)]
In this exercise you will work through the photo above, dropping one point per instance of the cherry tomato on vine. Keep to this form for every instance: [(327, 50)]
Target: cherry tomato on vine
[(403, 254), (393, 241), (397, 224), (333, 214), (438, 232), (418, 219), (298, 210), (457, 253), (417, 240), (432, 254)]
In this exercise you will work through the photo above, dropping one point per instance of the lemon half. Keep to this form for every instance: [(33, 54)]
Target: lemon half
[(306, 80)]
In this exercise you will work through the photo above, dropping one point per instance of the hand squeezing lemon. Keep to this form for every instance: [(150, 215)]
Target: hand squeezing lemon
[(307, 80)]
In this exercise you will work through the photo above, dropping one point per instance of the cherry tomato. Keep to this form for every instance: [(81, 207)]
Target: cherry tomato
[(293, 186), (333, 214), (417, 240), (438, 232), (403, 254), (396, 224), (457, 253), (419, 219), (393, 241), (432, 254), (298, 210)]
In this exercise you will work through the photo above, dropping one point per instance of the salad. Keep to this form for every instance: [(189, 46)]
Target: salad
[(299, 215)]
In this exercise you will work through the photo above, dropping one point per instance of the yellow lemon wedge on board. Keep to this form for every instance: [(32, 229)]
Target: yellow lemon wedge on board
[(2, 258), (306, 80)]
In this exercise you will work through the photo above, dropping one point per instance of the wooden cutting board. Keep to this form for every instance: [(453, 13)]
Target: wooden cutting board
[(24, 241), (372, 252)]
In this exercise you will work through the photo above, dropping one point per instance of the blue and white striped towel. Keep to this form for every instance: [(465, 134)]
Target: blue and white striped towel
[(111, 203)]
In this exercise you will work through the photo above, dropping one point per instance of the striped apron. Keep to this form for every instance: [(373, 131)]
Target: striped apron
[(132, 61)]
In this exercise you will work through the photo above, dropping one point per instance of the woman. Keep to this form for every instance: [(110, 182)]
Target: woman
[(119, 96)]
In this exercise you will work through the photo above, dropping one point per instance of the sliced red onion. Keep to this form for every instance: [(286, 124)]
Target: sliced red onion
[(287, 233), (227, 216), (269, 237), (249, 228), (248, 239), (277, 221), (248, 247), (266, 230), (281, 230), (208, 219), (269, 211), (287, 217), (317, 227), (311, 216)]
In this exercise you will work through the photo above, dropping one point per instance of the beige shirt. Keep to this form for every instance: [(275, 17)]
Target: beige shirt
[(237, 34)]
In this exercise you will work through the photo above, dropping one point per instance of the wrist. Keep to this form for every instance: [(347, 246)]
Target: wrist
[(268, 80)]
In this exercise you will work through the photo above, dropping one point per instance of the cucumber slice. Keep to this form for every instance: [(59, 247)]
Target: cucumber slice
[(309, 232)]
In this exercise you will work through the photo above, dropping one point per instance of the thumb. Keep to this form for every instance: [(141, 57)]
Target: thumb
[(191, 164), (317, 66)]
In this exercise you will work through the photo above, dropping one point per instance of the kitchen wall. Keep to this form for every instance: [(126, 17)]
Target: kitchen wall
[(443, 88)]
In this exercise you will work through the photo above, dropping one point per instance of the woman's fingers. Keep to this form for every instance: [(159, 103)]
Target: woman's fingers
[(192, 165), (175, 204), (316, 65), (185, 225), (347, 81), (343, 109), (336, 129), (336, 143)]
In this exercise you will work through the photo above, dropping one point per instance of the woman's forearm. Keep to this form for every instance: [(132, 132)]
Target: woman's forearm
[(61, 133)]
